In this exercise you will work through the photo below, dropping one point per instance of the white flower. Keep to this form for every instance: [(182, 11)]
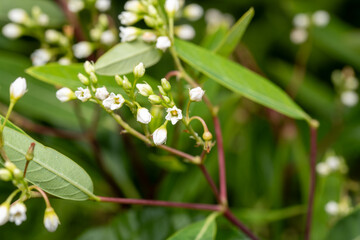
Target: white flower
[(134, 6), (128, 18), (18, 15), (64, 61), (17, 213), (82, 49), (323, 169), (149, 37), (196, 94), (139, 70), (301, 20), (333, 162), (4, 213), (321, 18), (83, 94), (101, 93), (298, 35), (107, 37), (349, 98), (43, 19), (193, 12), (186, 32), (332, 208), (18, 88), (65, 94), (12, 31), (76, 5), (40, 57), (113, 102), (174, 115), (172, 6), (128, 34), (163, 43), (160, 135), (143, 116), (51, 220), (52, 36), (103, 5), (144, 89)]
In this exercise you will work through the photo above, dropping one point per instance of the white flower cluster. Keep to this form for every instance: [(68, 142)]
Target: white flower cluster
[(302, 21), (331, 164), (346, 85)]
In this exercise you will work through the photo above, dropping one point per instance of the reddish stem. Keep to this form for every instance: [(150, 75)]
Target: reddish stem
[(313, 137), (196, 206), (221, 156), (230, 216), (178, 153), (172, 74), (210, 181)]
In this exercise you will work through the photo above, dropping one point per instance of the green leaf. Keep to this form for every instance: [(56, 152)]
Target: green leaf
[(11, 125), (50, 170), (55, 14), (346, 228), (235, 34), (122, 58), (202, 230), (238, 79)]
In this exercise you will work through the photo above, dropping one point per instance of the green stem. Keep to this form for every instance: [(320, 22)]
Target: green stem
[(12, 104)]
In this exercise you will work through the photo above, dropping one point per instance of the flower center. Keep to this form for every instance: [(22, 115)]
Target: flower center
[(174, 113)]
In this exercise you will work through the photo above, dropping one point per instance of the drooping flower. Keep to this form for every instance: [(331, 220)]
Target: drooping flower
[(174, 115), (160, 135), (196, 94), (17, 213), (163, 43), (101, 93), (83, 94), (51, 220), (18, 88), (114, 102), (65, 94), (143, 116)]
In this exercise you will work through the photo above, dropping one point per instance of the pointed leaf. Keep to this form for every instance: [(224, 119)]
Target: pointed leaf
[(238, 79), (346, 228), (122, 58)]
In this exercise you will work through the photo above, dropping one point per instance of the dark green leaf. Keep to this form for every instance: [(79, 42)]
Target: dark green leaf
[(346, 228)]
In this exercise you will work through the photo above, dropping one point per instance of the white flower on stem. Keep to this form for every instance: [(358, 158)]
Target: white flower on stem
[(139, 70), (321, 18), (143, 116), (333, 162), (349, 98), (101, 93), (134, 6), (83, 94), (40, 57), (17, 213), (43, 19), (128, 18), (103, 5), (196, 94), (174, 115), (301, 20), (160, 135), (172, 6), (65, 94), (332, 208), (323, 169), (82, 49), (185, 31), (149, 37), (18, 15), (107, 37), (298, 35), (163, 43), (4, 213), (193, 12), (89, 67), (64, 61), (128, 34), (144, 89), (114, 102), (75, 5), (51, 220), (12, 31), (18, 88)]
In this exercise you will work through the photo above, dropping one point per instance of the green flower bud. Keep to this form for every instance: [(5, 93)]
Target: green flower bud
[(119, 80), (155, 99), (162, 91), (83, 79), (5, 174), (93, 78), (126, 83), (165, 84)]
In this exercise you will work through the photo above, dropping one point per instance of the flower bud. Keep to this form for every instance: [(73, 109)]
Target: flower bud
[(162, 91), (128, 18), (165, 85), (4, 213), (52, 36), (196, 94), (118, 80), (10, 166), (101, 93), (89, 67), (12, 30), (103, 20), (18, 174), (126, 83), (144, 89), (134, 6), (65, 94), (193, 12), (171, 7), (18, 15), (143, 116), (185, 31), (163, 43), (93, 78), (150, 21), (139, 70), (207, 136), (5, 175), (128, 34), (155, 99), (18, 88), (84, 80), (149, 37), (82, 49), (160, 135), (167, 99), (30, 152), (51, 220)]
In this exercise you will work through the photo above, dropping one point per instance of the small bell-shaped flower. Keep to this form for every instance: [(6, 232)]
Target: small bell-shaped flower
[(4, 213), (65, 94), (51, 220), (143, 116), (160, 135), (174, 115), (18, 88), (18, 213), (196, 94)]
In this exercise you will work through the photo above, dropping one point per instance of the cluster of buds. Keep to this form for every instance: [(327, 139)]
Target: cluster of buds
[(332, 163), (303, 21), (346, 85), (101, 33), (77, 6)]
